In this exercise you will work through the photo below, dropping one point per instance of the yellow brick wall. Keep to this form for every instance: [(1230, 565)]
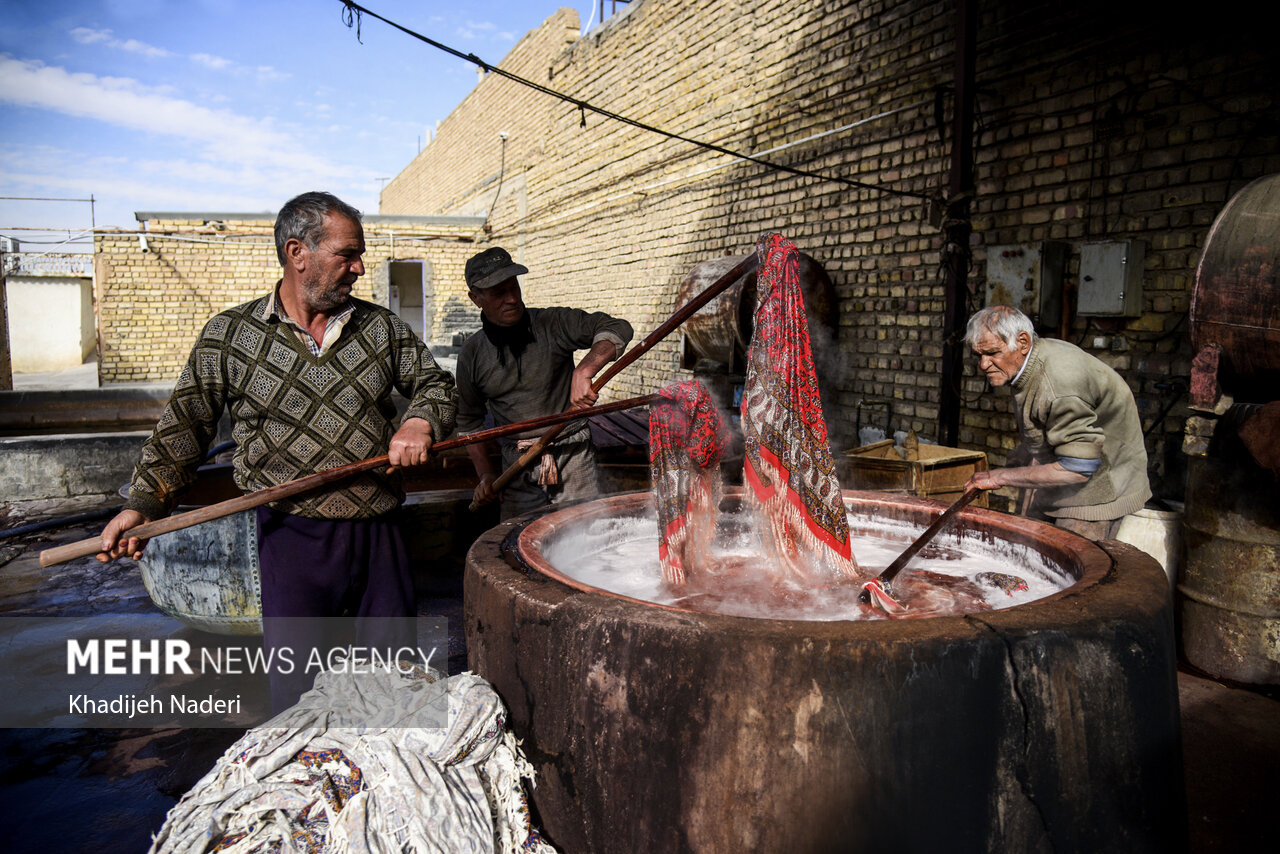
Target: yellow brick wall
[(1096, 122), (152, 303)]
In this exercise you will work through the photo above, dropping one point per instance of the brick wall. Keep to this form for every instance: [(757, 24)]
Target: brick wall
[(1096, 122), (151, 304)]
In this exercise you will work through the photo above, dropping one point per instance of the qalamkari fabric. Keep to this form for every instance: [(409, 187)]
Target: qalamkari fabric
[(687, 440), (789, 470), (361, 764)]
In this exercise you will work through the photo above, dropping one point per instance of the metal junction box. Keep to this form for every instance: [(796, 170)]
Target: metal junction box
[(1111, 278), (1028, 276)]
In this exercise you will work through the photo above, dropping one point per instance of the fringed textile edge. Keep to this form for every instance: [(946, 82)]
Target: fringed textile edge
[(782, 502)]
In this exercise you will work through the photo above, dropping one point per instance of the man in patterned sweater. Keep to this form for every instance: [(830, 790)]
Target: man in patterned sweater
[(306, 374), (1082, 447)]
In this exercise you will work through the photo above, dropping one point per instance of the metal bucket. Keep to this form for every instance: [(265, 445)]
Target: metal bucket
[(1230, 589), (207, 575), (1159, 534)]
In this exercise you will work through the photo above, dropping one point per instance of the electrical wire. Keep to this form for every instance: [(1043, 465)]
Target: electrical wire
[(502, 170), (551, 212), (352, 13)]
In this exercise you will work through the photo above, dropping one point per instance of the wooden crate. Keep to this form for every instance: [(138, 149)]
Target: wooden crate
[(937, 472)]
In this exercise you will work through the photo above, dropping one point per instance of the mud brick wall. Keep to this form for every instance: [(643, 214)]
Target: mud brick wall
[(152, 303), (1096, 122)]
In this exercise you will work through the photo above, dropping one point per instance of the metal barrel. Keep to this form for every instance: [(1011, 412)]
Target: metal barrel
[(1230, 588), (721, 330)]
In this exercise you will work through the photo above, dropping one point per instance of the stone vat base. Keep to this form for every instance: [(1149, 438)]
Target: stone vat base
[(1047, 727)]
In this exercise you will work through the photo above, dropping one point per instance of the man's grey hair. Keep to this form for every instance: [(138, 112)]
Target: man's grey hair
[(1003, 321), (302, 218)]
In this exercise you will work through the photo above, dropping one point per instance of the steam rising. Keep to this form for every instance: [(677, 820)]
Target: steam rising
[(619, 555)]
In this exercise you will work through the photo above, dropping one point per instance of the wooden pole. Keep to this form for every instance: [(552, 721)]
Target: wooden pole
[(742, 268), (85, 548), (6, 361), (892, 570)]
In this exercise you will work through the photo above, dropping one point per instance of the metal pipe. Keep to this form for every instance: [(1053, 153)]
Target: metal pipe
[(958, 227)]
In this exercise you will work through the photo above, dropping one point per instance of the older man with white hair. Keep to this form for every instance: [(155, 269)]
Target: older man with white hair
[(1082, 447)]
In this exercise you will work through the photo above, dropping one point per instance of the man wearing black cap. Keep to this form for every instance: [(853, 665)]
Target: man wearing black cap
[(520, 366)]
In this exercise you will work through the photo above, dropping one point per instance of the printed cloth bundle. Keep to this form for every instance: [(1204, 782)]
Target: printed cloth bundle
[(687, 440), (789, 470), (362, 764)]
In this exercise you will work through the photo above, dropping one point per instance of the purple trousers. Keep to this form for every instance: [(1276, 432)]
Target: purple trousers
[(314, 570)]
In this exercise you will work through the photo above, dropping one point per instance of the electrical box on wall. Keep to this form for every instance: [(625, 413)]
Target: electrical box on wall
[(1028, 276), (1111, 278)]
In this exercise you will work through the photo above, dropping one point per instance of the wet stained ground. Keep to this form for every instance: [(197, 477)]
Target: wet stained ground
[(108, 790)]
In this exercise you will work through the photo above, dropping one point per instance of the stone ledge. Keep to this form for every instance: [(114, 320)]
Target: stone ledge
[(67, 465)]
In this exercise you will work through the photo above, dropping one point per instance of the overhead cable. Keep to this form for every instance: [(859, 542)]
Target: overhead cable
[(352, 12)]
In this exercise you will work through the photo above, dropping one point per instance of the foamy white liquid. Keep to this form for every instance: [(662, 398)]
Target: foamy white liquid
[(620, 555)]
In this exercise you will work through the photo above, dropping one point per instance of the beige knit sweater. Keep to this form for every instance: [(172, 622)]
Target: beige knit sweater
[(1069, 404)]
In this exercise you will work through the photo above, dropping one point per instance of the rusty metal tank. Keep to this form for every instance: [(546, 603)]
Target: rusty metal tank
[(1235, 304), (1051, 726), (1229, 597), (1229, 594), (721, 330), (1230, 588)]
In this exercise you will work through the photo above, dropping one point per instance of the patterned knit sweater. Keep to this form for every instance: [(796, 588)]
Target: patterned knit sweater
[(293, 413)]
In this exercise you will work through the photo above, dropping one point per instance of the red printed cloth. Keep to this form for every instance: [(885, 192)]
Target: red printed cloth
[(789, 469), (687, 438)]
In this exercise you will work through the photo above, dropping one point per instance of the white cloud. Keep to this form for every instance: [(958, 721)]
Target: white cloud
[(84, 35), (135, 46), (264, 73), (203, 159), (217, 63), (122, 186), (474, 29), (126, 103)]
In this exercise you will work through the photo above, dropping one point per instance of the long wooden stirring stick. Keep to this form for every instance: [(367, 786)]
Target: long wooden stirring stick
[(742, 268), (84, 548), (878, 588)]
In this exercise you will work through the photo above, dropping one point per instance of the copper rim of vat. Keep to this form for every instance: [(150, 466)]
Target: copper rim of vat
[(1083, 560)]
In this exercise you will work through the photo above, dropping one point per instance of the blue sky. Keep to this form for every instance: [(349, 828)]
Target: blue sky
[(226, 105)]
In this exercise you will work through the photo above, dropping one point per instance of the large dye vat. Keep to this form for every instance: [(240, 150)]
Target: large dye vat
[(1051, 726)]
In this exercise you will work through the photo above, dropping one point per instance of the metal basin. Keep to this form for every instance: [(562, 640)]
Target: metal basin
[(207, 575)]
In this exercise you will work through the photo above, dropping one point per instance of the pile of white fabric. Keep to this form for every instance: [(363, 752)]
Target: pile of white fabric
[(379, 762)]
